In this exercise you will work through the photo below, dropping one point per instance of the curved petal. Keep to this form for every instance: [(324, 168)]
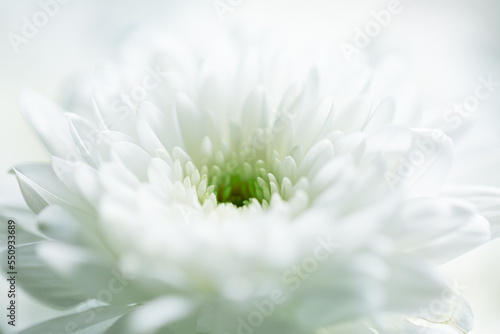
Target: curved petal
[(42, 282), (41, 187), (485, 198), (49, 122), (153, 316), (92, 321), (438, 229), (13, 207), (97, 275), (420, 160)]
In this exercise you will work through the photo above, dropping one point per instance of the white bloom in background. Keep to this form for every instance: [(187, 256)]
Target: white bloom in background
[(241, 188)]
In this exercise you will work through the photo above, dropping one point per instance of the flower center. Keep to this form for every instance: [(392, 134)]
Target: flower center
[(243, 177), (238, 189), (239, 184)]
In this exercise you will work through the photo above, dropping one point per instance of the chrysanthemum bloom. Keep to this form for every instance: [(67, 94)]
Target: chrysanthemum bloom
[(238, 189)]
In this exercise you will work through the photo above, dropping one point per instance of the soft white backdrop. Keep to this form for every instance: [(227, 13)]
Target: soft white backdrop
[(448, 44)]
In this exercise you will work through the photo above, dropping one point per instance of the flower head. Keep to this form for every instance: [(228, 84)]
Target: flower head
[(240, 189)]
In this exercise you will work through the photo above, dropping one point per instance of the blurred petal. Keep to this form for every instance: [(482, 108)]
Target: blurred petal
[(42, 282), (92, 321)]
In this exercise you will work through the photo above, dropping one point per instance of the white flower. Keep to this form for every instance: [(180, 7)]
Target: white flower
[(237, 189)]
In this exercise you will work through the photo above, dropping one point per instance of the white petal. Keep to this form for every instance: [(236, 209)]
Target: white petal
[(486, 199), (155, 315), (382, 115), (190, 123), (417, 281), (148, 139), (70, 226), (354, 85), (288, 168), (163, 124), (40, 187), (161, 176), (420, 160), (86, 138), (439, 229), (87, 180), (255, 112), (315, 158), (354, 116), (49, 122), (42, 282), (14, 207), (315, 123), (134, 158), (94, 272), (102, 318)]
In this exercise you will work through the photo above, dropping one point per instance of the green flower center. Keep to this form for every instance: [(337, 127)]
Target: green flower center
[(240, 183), (238, 189), (244, 179)]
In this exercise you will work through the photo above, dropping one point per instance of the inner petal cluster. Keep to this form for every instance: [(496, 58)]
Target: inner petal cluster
[(240, 179), (241, 183), (239, 187)]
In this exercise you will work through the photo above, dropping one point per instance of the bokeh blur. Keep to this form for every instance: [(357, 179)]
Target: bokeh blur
[(447, 45)]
